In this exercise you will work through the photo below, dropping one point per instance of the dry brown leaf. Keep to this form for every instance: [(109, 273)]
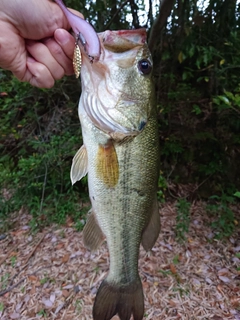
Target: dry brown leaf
[(223, 272), (235, 301), (173, 268), (65, 258), (65, 293), (172, 303), (59, 246), (13, 254), (32, 278), (33, 290)]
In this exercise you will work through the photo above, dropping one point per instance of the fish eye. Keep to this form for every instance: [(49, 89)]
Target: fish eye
[(144, 66)]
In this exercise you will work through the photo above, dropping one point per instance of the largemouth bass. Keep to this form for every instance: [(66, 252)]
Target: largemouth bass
[(117, 112)]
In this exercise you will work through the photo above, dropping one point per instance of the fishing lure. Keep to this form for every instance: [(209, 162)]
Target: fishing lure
[(77, 59)]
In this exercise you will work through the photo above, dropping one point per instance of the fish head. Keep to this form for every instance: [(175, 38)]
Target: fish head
[(117, 90)]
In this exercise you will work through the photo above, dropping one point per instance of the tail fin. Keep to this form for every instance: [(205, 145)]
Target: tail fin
[(125, 300)]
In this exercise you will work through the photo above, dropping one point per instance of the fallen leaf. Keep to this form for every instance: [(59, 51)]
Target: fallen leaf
[(33, 291), (52, 297), (47, 302), (224, 279), (65, 258), (223, 272), (196, 282), (59, 308), (15, 315), (33, 278), (65, 293), (235, 301), (13, 254), (172, 303), (173, 268), (18, 306), (68, 286), (59, 246), (208, 280)]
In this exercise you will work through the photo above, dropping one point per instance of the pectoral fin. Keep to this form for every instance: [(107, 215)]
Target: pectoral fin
[(92, 233), (107, 164), (79, 165), (151, 231)]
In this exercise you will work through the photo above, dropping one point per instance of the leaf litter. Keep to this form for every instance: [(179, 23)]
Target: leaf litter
[(51, 275)]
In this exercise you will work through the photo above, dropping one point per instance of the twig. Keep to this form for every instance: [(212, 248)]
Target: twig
[(2, 293), (67, 303), (115, 14), (35, 248), (26, 264), (17, 273), (43, 189)]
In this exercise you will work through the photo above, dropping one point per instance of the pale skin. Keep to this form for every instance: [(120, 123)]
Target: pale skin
[(35, 43)]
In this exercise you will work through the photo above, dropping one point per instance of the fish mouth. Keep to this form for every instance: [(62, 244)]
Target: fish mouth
[(117, 41), (122, 40)]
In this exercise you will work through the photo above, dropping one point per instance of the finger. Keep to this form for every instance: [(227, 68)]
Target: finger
[(62, 48), (38, 74), (41, 54), (66, 41)]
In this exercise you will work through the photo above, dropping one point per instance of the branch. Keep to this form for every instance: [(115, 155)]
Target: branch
[(115, 14), (2, 293), (165, 10), (134, 14)]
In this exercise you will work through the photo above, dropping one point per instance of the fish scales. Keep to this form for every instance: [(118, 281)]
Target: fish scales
[(120, 154)]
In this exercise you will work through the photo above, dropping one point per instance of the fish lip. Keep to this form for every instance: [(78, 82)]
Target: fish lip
[(131, 39), (108, 35)]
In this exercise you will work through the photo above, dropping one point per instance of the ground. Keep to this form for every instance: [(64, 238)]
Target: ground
[(50, 275)]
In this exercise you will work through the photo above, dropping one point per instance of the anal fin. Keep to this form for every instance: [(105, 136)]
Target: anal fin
[(79, 165), (151, 231), (92, 233)]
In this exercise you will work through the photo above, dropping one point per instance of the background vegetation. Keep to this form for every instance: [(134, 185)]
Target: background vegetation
[(196, 52)]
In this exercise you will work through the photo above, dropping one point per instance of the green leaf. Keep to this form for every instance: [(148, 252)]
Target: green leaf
[(237, 194)]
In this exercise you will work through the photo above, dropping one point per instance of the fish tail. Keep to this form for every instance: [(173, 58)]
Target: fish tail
[(124, 300)]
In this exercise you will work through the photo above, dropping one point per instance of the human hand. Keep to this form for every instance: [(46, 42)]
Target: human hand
[(34, 42)]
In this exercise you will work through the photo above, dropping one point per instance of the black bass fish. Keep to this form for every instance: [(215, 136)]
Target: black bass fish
[(120, 154), (117, 111)]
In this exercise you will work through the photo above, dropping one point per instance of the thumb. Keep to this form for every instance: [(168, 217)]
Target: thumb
[(66, 41)]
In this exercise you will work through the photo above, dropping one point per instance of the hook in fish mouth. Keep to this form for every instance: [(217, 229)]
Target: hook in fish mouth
[(84, 32), (80, 38)]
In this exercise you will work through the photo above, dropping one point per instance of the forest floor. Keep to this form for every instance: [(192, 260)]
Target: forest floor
[(50, 275)]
